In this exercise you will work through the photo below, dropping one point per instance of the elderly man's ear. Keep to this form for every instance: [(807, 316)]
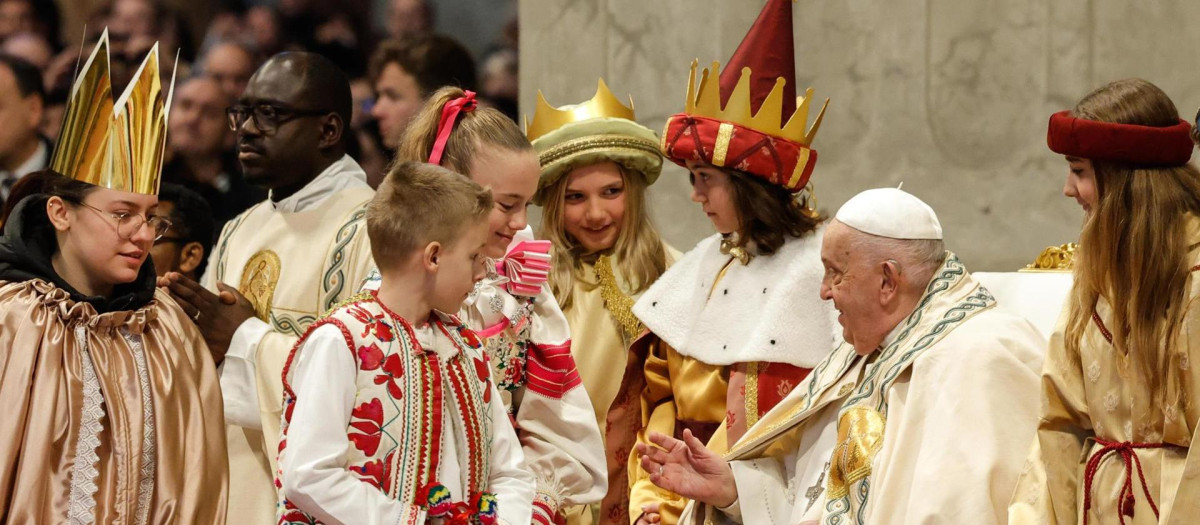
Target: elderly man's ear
[(889, 286)]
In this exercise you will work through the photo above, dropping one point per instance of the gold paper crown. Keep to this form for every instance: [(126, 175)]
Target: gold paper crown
[(604, 104), (706, 102), (115, 145)]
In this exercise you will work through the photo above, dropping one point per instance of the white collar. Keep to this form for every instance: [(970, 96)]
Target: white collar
[(342, 174)]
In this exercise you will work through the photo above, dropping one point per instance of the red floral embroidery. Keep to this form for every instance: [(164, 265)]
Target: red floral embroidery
[(393, 369), (469, 336), (370, 357), (375, 473), (294, 515), (367, 418), (516, 371), (373, 324), (482, 370)]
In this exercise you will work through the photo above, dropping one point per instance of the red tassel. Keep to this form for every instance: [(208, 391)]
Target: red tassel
[(1127, 505)]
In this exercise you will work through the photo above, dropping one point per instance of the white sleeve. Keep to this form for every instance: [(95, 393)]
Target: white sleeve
[(555, 419), (512, 485), (239, 375), (313, 469)]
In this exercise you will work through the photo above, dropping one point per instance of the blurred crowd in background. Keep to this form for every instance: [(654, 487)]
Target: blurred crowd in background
[(388, 48)]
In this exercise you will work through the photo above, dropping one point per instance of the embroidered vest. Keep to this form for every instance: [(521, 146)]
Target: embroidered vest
[(401, 410), (520, 355)]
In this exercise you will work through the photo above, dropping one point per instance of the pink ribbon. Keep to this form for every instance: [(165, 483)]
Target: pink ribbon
[(527, 267), (450, 114)]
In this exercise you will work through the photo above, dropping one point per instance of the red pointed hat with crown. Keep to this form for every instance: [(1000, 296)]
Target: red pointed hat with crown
[(750, 119)]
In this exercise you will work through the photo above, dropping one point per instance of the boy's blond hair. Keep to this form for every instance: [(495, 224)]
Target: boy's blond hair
[(420, 203)]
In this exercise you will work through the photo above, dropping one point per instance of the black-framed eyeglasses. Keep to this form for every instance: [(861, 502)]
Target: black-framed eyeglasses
[(267, 117), (128, 224)]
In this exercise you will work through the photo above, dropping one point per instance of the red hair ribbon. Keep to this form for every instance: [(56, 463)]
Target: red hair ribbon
[(1131, 143), (450, 114)]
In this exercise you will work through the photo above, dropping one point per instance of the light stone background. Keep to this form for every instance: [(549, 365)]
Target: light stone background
[(950, 97)]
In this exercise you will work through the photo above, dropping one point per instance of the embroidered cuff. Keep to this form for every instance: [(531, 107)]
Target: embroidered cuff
[(545, 506)]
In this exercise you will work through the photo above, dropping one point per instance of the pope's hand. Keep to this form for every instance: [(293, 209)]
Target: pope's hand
[(689, 469), (217, 316)]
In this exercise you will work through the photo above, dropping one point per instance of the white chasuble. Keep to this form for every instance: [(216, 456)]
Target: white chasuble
[(931, 428), (294, 259)]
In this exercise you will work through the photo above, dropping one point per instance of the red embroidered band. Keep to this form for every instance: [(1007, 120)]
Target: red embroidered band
[(450, 114), (1131, 143)]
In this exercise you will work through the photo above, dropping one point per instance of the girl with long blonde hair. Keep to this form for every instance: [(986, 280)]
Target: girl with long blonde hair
[(1119, 392), (597, 163), (521, 327)]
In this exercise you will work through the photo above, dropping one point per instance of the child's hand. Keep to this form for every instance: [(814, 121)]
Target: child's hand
[(649, 514)]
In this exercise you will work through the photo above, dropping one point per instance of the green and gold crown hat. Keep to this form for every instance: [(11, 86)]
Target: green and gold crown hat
[(598, 130)]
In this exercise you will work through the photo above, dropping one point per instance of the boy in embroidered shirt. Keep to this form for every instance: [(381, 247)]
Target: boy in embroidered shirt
[(389, 412)]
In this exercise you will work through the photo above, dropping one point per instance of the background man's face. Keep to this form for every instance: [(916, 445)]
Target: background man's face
[(20, 115), (231, 67), (165, 251), (198, 125)]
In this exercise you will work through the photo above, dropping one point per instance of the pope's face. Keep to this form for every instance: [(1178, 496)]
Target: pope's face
[(1081, 184), (854, 286)]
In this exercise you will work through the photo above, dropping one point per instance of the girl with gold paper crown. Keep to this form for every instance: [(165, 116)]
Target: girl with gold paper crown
[(1120, 399), (597, 163), (738, 321), (112, 409), (523, 330)]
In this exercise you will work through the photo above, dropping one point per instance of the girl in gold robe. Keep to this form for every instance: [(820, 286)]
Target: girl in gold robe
[(597, 163), (738, 321), (109, 397), (1120, 398)]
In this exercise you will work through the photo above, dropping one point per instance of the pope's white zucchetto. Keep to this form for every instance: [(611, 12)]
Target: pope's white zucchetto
[(891, 213)]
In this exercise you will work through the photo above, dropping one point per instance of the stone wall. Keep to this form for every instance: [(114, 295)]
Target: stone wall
[(950, 97)]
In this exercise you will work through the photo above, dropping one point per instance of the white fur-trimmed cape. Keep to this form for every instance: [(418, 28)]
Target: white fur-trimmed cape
[(768, 310)]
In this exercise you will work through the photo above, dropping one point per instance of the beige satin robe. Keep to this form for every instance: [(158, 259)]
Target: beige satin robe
[(74, 387)]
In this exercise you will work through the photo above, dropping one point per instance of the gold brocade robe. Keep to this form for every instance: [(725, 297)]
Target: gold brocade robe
[(1096, 393), (602, 327), (113, 418), (601, 341), (727, 340), (748, 333)]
